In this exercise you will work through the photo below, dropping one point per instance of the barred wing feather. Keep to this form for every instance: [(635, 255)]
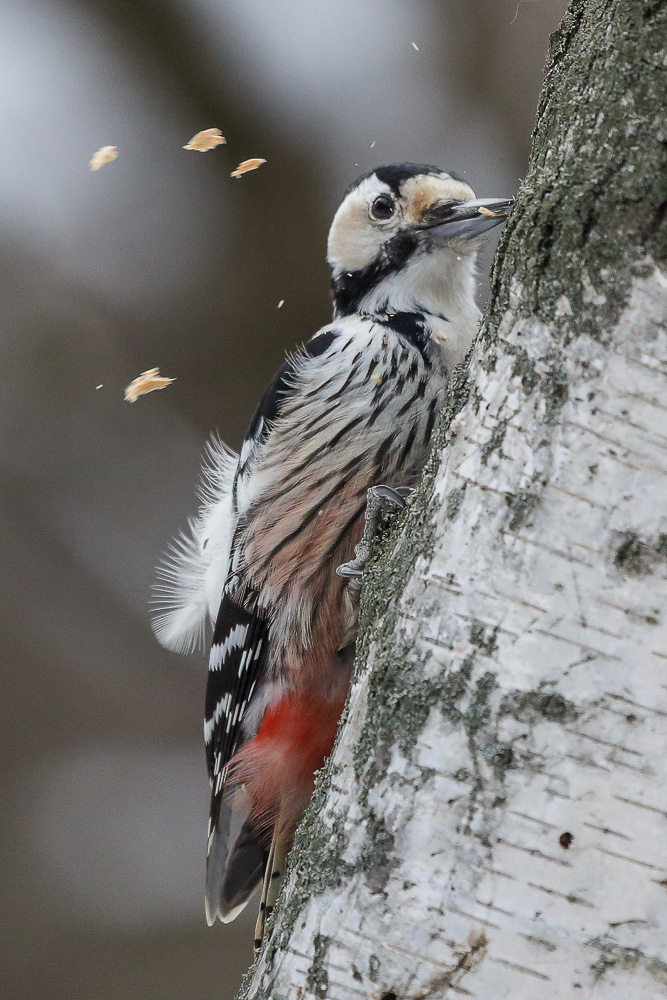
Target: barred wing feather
[(236, 665)]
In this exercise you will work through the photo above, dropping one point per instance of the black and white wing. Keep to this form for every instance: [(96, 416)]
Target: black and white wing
[(242, 638), (237, 665)]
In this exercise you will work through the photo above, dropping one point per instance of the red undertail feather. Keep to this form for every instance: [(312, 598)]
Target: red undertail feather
[(277, 767)]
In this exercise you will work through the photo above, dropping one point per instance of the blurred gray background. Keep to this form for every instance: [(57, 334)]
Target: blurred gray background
[(162, 259)]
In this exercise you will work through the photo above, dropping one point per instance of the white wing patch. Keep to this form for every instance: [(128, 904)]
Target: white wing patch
[(209, 725), (220, 652), (193, 572)]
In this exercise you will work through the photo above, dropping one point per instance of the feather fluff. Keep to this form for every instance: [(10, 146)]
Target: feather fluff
[(193, 571)]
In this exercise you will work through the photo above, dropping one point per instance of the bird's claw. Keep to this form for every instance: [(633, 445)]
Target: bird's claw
[(378, 498), (349, 571), (389, 497)]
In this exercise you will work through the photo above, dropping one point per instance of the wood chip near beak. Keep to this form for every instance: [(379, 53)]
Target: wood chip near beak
[(489, 213)]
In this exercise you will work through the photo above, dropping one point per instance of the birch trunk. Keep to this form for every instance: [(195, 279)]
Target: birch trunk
[(492, 821)]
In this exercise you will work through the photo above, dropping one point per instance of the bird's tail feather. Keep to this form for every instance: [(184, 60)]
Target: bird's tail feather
[(273, 877), (232, 873), (216, 858)]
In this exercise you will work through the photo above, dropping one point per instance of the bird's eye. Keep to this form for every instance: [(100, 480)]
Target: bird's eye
[(383, 208)]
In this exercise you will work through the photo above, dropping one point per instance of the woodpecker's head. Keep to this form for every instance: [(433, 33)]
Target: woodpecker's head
[(405, 237)]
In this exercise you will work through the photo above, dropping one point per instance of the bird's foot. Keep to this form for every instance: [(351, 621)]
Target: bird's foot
[(378, 499)]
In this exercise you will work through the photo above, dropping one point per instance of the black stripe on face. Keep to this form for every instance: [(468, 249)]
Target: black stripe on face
[(348, 288)]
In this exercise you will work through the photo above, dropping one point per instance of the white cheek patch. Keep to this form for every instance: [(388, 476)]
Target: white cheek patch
[(354, 240)]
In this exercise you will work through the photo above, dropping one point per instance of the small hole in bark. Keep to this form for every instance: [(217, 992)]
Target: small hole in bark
[(565, 840), (389, 996)]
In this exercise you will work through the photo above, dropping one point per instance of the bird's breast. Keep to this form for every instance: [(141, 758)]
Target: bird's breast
[(371, 424)]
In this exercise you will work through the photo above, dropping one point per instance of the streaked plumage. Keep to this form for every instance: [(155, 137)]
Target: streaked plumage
[(353, 408)]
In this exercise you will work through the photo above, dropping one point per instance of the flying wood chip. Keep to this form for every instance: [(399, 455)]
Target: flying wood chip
[(146, 382), (247, 165), (107, 154), (208, 139)]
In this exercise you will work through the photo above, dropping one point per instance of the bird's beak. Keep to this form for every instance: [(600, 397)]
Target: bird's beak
[(465, 219)]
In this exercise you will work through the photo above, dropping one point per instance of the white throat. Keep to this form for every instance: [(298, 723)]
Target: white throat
[(440, 283), (441, 286)]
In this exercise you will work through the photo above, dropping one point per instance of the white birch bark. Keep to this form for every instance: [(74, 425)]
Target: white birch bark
[(493, 820)]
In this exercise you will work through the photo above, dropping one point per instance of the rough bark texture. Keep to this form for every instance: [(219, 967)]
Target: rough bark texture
[(492, 822)]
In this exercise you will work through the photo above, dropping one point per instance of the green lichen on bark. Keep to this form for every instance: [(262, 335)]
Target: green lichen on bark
[(537, 706), (318, 856), (454, 501), (554, 387), (522, 506), (524, 368), (598, 167), (478, 712), (613, 181), (483, 637), (399, 695), (495, 441), (318, 977), (377, 857), (637, 556), (615, 957)]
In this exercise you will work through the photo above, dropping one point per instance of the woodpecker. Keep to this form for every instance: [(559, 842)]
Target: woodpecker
[(275, 555)]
